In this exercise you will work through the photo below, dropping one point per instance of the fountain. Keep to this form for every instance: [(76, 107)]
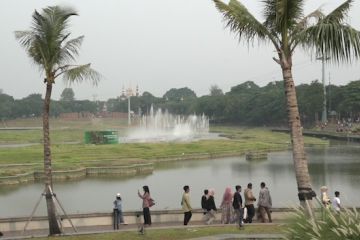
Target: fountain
[(161, 125)]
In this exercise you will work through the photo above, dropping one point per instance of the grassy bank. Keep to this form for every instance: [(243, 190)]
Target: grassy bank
[(76, 155), (179, 233)]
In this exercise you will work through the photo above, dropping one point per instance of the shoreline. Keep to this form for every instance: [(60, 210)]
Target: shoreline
[(330, 135), (121, 171)]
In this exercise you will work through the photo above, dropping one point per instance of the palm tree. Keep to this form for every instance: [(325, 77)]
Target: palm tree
[(286, 27), (47, 43)]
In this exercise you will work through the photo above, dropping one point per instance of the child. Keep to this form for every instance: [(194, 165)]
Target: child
[(336, 202), (118, 216)]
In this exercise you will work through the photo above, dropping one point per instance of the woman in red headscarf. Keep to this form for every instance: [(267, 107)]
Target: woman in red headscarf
[(226, 206)]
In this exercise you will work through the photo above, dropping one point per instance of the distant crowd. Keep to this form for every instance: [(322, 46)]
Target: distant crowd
[(233, 208)]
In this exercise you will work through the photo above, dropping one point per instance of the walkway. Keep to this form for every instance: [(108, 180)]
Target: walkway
[(133, 227)]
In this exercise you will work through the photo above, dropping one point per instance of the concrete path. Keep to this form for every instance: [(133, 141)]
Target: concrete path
[(240, 236), (133, 227)]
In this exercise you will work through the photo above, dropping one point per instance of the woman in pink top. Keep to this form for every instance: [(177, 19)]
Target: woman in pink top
[(146, 210), (226, 206)]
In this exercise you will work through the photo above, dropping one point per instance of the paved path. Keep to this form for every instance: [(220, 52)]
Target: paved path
[(240, 236), (133, 227)]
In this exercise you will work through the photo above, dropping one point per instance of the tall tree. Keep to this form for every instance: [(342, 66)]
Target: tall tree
[(47, 43), (67, 95), (286, 27), (6, 106), (351, 100), (215, 90), (179, 94)]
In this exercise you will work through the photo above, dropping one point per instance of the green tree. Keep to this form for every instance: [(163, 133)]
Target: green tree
[(216, 91), (31, 105), (351, 101), (179, 94), (310, 99), (6, 106), (211, 106), (67, 95), (286, 27), (47, 43)]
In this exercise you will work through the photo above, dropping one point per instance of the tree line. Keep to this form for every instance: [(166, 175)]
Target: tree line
[(246, 103)]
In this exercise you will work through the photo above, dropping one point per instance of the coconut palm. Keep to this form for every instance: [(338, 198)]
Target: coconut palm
[(47, 43), (286, 28)]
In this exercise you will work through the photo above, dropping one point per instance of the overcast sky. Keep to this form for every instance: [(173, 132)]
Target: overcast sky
[(157, 45)]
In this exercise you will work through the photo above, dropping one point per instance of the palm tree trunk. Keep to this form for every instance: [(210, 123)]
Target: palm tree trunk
[(51, 210), (305, 193)]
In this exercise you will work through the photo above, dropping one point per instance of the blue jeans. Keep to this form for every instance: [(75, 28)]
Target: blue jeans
[(118, 218)]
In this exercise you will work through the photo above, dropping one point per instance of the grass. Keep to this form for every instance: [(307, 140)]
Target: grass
[(178, 233), (327, 225), (72, 156)]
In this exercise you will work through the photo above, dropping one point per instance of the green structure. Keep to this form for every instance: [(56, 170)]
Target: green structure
[(101, 137)]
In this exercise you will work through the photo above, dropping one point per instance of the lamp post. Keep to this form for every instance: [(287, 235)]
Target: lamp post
[(324, 112), (129, 117), (129, 93)]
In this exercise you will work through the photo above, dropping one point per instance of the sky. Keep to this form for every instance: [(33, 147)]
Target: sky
[(157, 45)]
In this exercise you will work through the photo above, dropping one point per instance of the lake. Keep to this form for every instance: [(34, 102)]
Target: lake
[(337, 166)]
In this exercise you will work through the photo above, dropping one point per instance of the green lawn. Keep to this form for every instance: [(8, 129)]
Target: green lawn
[(75, 155), (178, 233)]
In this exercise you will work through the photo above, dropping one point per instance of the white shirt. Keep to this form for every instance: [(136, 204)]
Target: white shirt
[(336, 203)]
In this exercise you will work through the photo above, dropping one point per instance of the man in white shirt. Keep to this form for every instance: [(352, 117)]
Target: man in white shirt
[(336, 202)]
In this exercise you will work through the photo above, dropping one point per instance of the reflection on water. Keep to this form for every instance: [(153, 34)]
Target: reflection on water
[(336, 166)]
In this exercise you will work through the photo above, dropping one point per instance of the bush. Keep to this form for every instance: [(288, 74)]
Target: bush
[(329, 225)]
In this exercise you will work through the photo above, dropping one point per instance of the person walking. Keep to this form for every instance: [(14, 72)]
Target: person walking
[(204, 199), (249, 203), (325, 197), (118, 214), (238, 206), (264, 203), (336, 202), (211, 207), (226, 206), (145, 205), (186, 206)]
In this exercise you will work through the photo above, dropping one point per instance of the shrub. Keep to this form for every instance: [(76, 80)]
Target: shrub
[(328, 225)]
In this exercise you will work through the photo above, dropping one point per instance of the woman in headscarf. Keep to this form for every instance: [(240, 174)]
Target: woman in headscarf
[(325, 197), (226, 206)]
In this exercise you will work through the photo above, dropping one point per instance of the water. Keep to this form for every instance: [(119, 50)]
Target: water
[(163, 126), (337, 166)]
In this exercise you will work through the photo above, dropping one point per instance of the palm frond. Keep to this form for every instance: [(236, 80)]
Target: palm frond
[(25, 38), (70, 50), (81, 73), (49, 30), (305, 21), (330, 36), (339, 14), (241, 21), (340, 42), (282, 14), (299, 32)]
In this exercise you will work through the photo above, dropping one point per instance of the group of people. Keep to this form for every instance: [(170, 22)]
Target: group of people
[(325, 199), (232, 206), (147, 202), (233, 209)]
